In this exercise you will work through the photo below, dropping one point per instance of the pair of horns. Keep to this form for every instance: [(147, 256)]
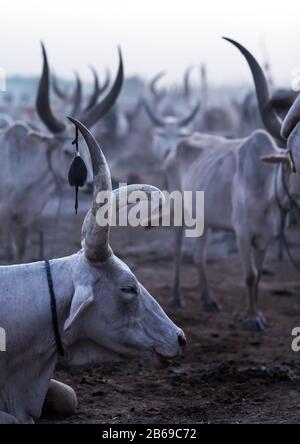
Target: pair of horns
[(96, 237), (279, 129), (98, 89), (76, 97), (160, 121), (158, 95), (91, 115)]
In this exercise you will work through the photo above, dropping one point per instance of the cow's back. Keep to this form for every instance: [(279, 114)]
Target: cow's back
[(24, 174)]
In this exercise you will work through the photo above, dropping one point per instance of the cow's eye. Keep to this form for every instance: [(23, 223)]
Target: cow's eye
[(130, 289)]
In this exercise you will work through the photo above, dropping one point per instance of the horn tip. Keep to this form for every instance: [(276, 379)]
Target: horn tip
[(120, 53), (43, 49), (234, 42), (73, 120)]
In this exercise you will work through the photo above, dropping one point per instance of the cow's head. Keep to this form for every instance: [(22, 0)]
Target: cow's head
[(169, 130), (286, 132), (111, 313), (62, 134)]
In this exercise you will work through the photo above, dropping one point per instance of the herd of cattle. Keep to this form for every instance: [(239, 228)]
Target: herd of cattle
[(89, 306)]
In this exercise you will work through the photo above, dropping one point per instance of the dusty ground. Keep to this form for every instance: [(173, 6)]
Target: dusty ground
[(226, 375)]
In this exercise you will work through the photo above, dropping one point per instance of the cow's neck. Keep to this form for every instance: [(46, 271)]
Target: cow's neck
[(31, 356)]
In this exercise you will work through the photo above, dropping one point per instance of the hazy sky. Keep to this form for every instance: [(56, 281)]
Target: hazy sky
[(153, 34)]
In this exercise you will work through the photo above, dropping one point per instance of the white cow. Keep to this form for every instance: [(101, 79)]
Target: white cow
[(242, 193), (102, 312)]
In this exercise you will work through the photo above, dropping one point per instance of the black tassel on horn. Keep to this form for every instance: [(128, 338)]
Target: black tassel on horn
[(78, 172)]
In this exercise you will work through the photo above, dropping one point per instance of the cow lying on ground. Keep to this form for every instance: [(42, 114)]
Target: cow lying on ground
[(101, 310)]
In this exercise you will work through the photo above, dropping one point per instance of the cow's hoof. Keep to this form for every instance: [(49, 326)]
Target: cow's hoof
[(211, 307), (177, 303), (61, 400), (254, 324), (262, 318)]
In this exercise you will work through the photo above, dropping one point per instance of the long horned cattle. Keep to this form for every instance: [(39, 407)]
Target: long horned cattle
[(102, 311), (35, 164), (168, 130), (250, 194)]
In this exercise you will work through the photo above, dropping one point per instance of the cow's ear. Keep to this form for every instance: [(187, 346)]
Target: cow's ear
[(276, 158), (82, 298)]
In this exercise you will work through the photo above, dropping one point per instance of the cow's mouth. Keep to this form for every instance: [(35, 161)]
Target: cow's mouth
[(162, 360)]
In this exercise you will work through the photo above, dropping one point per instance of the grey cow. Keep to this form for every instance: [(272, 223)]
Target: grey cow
[(103, 312), (243, 192)]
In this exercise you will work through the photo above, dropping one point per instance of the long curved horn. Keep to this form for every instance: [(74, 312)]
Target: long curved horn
[(90, 117), (269, 116), (158, 121), (122, 194), (57, 90), (186, 120), (291, 119), (77, 96), (96, 91), (186, 82), (96, 238), (42, 100), (152, 85)]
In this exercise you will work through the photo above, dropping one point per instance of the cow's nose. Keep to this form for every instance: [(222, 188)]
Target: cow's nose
[(182, 340)]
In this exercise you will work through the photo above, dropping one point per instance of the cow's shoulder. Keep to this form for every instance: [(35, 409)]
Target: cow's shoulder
[(188, 149), (18, 131), (261, 143), (20, 136)]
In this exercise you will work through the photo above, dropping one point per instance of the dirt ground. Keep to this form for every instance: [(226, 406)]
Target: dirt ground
[(226, 375)]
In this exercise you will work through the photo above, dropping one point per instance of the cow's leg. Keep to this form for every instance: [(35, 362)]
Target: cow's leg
[(41, 244), (61, 400), (177, 300), (6, 238), (280, 249), (6, 418), (8, 248), (259, 256), (208, 302), (20, 241), (252, 261)]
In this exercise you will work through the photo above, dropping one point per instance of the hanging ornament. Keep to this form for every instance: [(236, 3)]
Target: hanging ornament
[(78, 172)]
